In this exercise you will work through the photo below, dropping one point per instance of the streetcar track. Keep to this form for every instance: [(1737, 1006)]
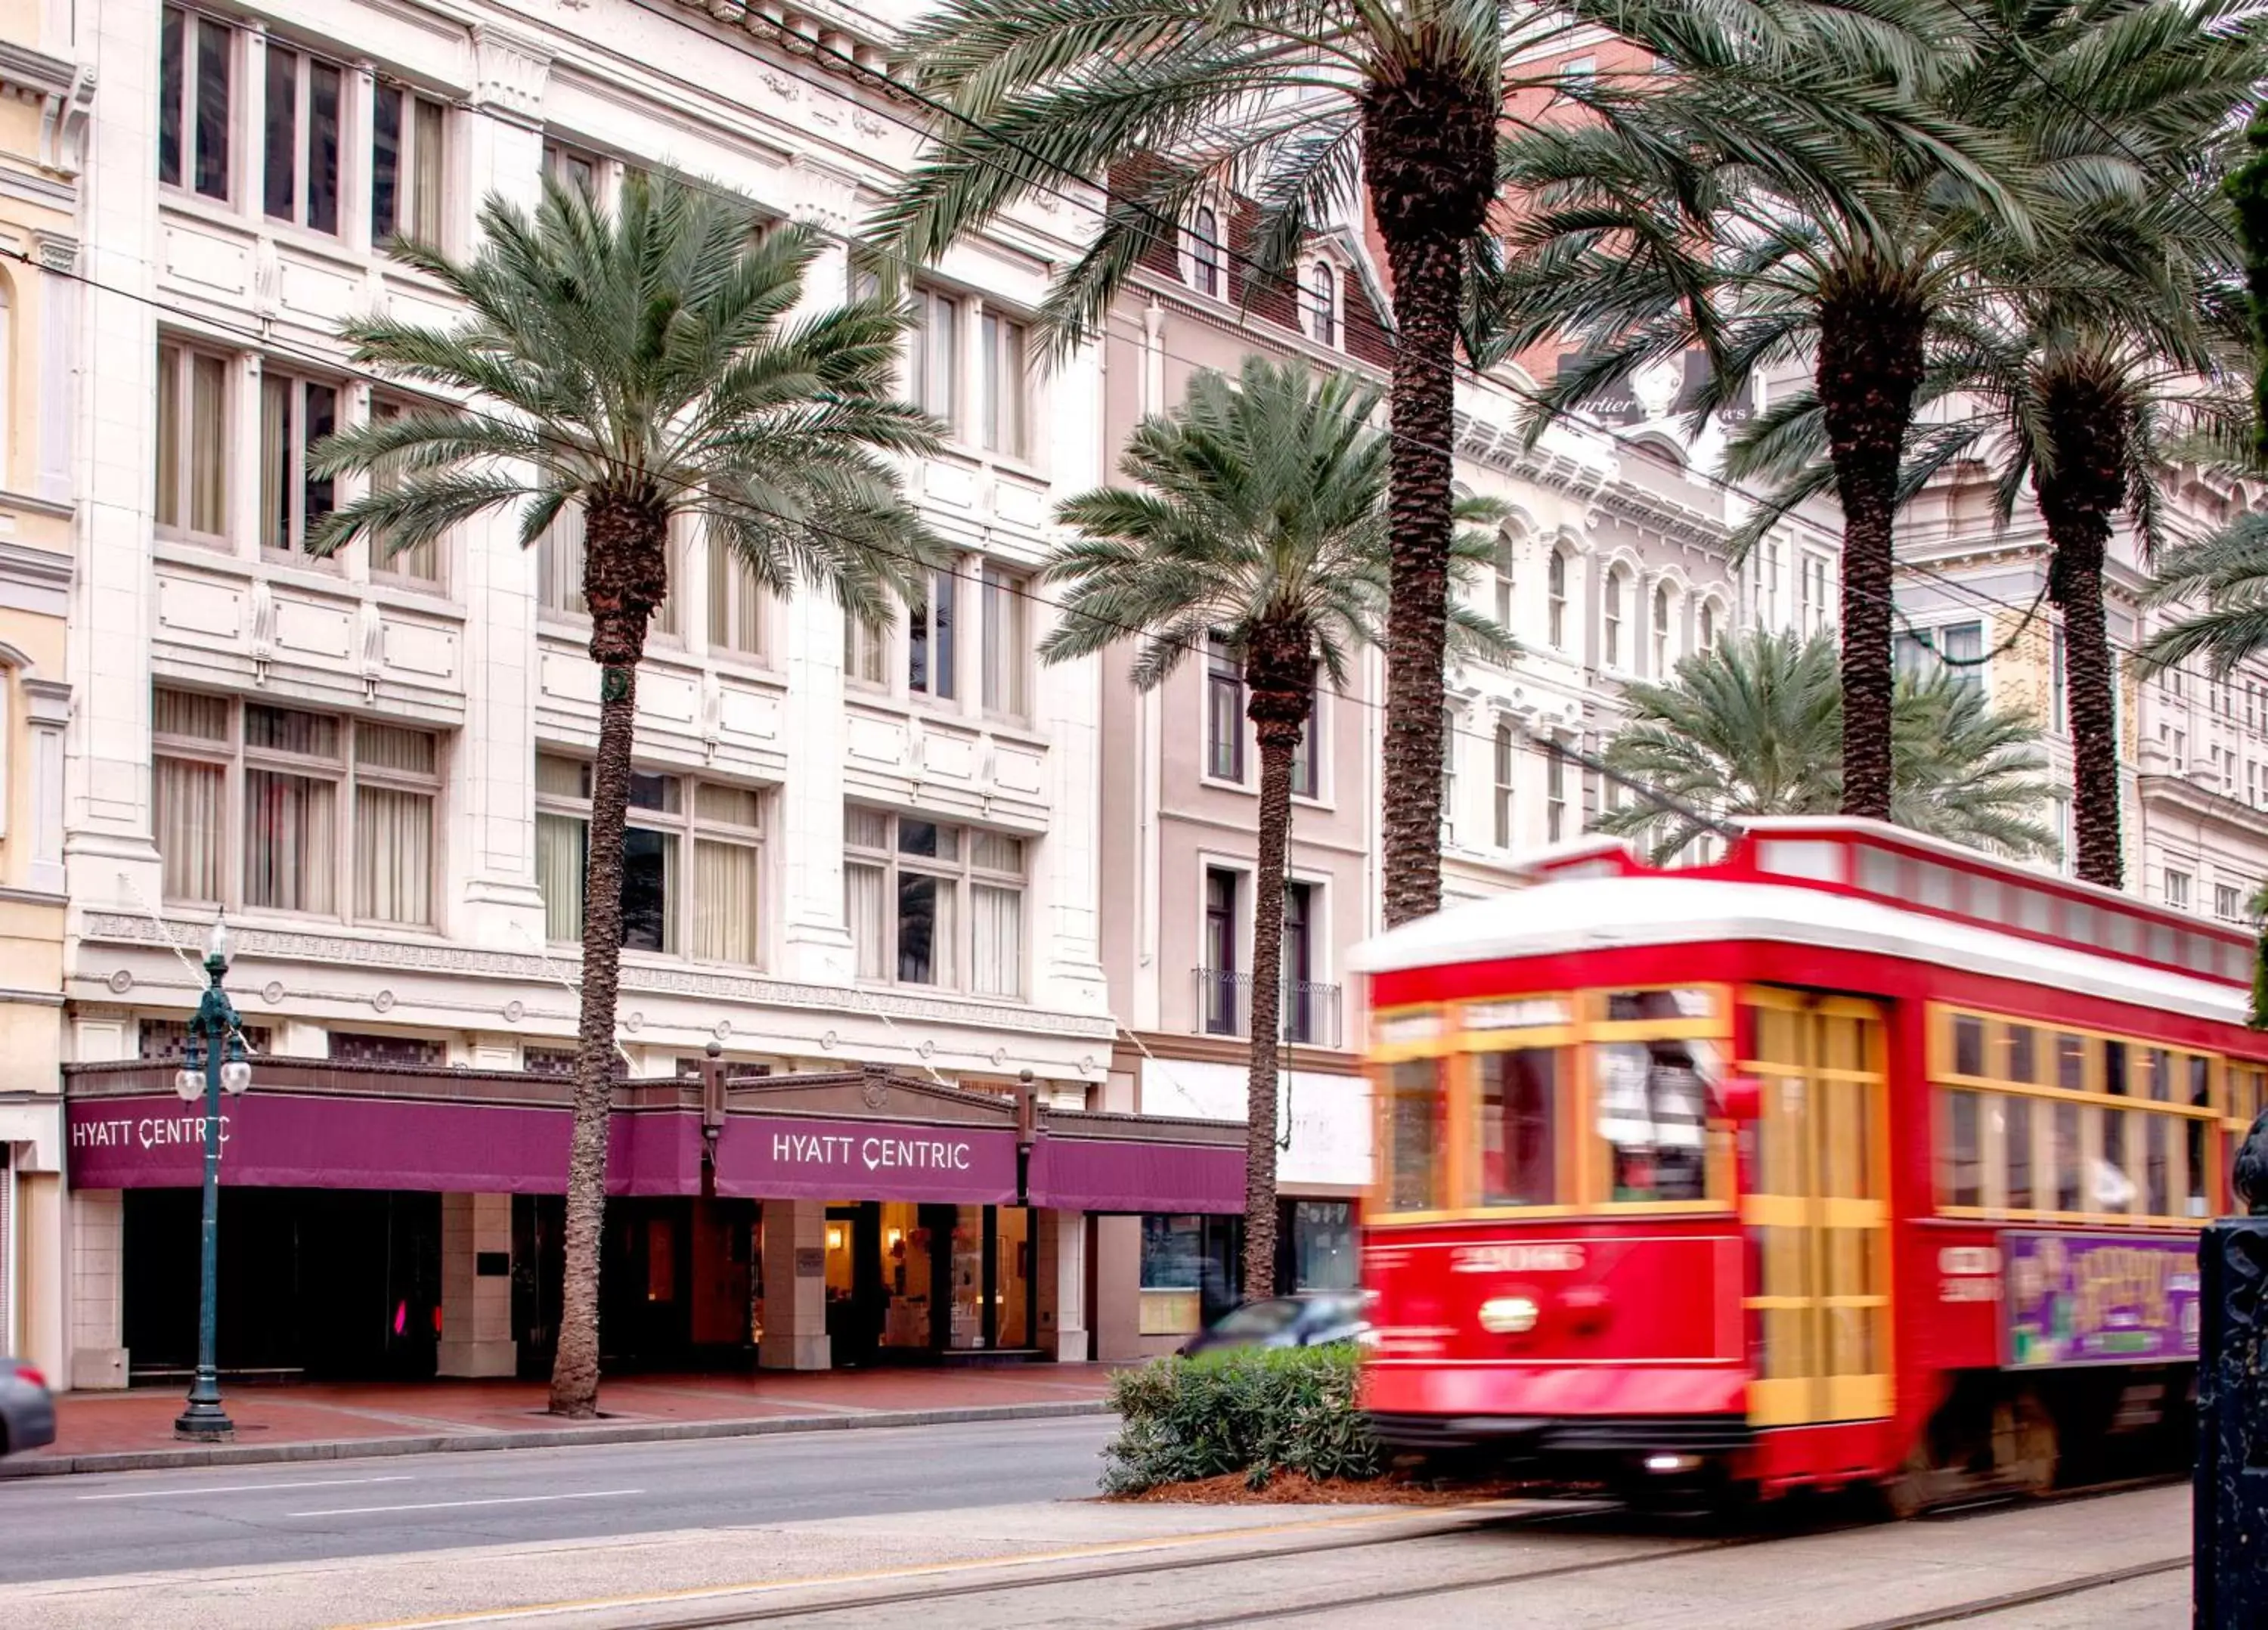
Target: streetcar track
[(2013, 1599)]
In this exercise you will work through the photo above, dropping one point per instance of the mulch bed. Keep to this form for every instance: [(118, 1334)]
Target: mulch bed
[(1294, 1489)]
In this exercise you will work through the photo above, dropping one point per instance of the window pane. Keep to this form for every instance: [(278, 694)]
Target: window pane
[(1003, 643), (2066, 1157), (283, 155), (425, 153), (660, 792), (649, 876), (1652, 1110), (562, 778), (186, 713), (1968, 1045), (996, 852), (322, 147), (2016, 1140), (275, 400), (2113, 1189), (394, 853), (192, 828), (2071, 1063), (384, 747), (208, 423), (385, 161), (169, 432), (213, 43), (1003, 386), (2024, 1049), (927, 839), (559, 563), (862, 908), (734, 806), (172, 73), (1520, 1094), (865, 828), (725, 920), (287, 730), (290, 838), (997, 924), (559, 862), (943, 586), (318, 493), (1414, 1097), (2157, 1177), (920, 959)]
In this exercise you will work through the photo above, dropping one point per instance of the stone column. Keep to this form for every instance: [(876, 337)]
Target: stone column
[(795, 1286), (476, 1336), (1116, 1315), (58, 401), (98, 1350), (1059, 1282)]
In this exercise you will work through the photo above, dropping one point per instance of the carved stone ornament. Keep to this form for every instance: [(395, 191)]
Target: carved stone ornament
[(874, 1095)]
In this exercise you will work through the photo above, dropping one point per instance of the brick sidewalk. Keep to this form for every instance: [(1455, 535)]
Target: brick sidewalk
[(327, 1419)]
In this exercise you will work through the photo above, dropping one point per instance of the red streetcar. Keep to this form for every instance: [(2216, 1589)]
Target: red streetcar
[(1854, 1158)]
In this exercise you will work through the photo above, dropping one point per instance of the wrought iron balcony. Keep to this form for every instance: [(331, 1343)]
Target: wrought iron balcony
[(1309, 1009)]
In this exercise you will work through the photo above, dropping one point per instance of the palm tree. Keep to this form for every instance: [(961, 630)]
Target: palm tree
[(636, 365), (2229, 573), (1257, 519), (1317, 108), (1755, 727), (2087, 337)]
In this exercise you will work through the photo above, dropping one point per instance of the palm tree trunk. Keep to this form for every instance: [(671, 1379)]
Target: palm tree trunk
[(1429, 162), (624, 560), (2081, 488), (1870, 365)]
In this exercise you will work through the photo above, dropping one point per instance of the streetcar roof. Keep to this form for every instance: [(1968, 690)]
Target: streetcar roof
[(1561, 915)]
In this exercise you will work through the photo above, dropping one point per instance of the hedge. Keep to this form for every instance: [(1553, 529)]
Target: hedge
[(1254, 1410)]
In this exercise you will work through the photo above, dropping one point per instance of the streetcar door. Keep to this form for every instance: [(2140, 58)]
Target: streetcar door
[(1818, 1212)]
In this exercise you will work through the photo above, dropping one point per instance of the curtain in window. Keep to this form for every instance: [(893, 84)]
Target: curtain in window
[(559, 563), (169, 422), (998, 916), (862, 909), (559, 874), (208, 420), (425, 162), (1004, 643), (192, 827), (290, 838), (865, 828), (393, 854), (275, 463), (725, 902)]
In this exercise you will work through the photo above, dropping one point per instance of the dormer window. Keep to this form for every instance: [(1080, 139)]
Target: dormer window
[(1318, 304), (1205, 253)]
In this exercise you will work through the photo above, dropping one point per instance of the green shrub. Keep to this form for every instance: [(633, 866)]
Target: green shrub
[(1254, 1411)]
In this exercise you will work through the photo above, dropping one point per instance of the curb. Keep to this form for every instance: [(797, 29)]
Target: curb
[(557, 1437)]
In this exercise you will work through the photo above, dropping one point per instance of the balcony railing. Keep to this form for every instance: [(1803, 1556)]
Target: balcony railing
[(1309, 1010)]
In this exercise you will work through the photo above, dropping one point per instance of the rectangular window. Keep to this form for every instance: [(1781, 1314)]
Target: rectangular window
[(864, 647), (1555, 797), (573, 168), (1417, 1104), (1448, 774), (1520, 1130), (196, 59), (1505, 556), (1224, 712), (930, 652), (330, 816), (1005, 385), (419, 563), (1556, 599), (1960, 1175), (933, 904), (1218, 986), (2177, 889), (1006, 643), (559, 565), (295, 415), (933, 355), (2228, 902), (303, 139), (672, 819), (1301, 1005), (1506, 760), (192, 441), (1307, 752), (736, 603), (406, 165), (2057, 718)]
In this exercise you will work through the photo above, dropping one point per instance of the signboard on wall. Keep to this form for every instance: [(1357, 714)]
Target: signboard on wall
[(2099, 1299), (1327, 1117)]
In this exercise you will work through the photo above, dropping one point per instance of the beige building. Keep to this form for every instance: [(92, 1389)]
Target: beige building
[(45, 96)]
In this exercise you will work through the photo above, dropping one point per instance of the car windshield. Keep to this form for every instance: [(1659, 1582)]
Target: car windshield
[(1260, 1318)]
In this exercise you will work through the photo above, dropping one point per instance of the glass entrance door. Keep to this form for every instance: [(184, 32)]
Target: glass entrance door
[(1818, 1217)]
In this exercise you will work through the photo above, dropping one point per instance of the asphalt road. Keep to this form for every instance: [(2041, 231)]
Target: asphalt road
[(87, 1526)]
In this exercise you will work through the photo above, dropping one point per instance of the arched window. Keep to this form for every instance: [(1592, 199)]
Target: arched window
[(1322, 304), (1610, 600), (1660, 629), (1708, 625), (1205, 253), (1555, 597)]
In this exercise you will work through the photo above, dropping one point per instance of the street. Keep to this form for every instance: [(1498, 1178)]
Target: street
[(72, 1527), (985, 1525)]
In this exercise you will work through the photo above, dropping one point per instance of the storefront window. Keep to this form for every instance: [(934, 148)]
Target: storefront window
[(1189, 1271), (1319, 1238)]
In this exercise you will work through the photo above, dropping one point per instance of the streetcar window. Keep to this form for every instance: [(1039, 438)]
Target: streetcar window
[(2200, 1081), (1654, 1114), (2015, 1117), (2161, 1076), (2115, 1078), (1520, 1096), (2071, 1063), (2114, 1190), (2066, 1156), (2157, 1180), (2023, 1053), (1968, 1045), (1414, 1111), (2195, 1170), (1961, 1179)]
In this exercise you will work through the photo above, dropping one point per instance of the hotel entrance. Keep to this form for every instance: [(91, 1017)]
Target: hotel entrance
[(911, 1283)]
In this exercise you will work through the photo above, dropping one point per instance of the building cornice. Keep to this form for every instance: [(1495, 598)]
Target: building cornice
[(2203, 803), (64, 92)]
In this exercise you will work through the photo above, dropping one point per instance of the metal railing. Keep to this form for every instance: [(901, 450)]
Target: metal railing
[(1309, 1009)]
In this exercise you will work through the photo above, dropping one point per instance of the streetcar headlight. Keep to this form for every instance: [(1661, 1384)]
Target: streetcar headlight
[(1508, 1316)]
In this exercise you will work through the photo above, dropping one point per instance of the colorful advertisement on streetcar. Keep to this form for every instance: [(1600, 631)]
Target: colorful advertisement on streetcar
[(2100, 1298)]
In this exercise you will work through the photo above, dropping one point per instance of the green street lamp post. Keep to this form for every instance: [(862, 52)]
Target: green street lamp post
[(214, 1064)]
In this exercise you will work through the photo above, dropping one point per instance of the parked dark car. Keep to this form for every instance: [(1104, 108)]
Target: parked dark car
[(1311, 1319), (27, 1414)]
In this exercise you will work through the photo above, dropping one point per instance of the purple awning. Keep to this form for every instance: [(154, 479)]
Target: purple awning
[(272, 1139), (798, 1157), (1097, 1174)]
